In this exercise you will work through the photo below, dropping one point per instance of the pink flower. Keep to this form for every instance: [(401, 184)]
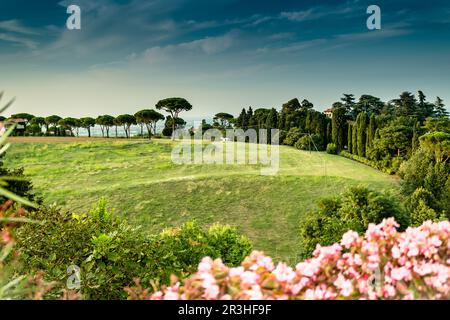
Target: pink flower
[(265, 262), (172, 292), (344, 285), (205, 265), (349, 238), (308, 269), (283, 273), (249, 278), (236, 272), (401, 273), (396, 253), (211, 292), (254, 293), (414, 263), (389, 291), (6, 236)]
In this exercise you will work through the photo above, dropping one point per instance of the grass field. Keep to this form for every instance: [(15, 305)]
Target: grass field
[(140, 181)]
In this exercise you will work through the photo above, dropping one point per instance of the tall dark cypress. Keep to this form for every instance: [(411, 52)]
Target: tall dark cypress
[(371, 132), (349, 138), (355, 138), (338, 128), (362, 127)]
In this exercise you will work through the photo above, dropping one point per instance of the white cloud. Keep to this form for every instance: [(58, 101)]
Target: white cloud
[(18, 40), (17, 27), (207, 46), (378, 34), (319, 12)]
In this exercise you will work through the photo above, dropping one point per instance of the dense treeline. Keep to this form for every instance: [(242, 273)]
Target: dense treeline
[(299, 124), (368, 128), (408, 135)]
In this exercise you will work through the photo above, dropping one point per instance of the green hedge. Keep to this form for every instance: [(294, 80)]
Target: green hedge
[(384, 166)]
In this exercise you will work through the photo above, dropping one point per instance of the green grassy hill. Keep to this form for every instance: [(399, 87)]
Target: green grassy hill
[(140, 181)]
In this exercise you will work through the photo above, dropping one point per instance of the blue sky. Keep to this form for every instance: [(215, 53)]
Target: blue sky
[(221, 55)]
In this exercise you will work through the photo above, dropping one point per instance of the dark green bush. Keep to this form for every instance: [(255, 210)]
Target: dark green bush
[(111, 253), (354, 210), (292, 136), (421, 214), (17, 183), (311, 142), (332, 148), (428, 170)]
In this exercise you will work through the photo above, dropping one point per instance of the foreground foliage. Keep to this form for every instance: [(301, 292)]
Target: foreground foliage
[(354, 210), (382, 264), (110, 253)]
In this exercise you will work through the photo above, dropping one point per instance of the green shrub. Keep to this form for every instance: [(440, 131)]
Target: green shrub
[(228, 244), (111, 253), (310, 143), (422, 213), (331, 148), (354, 210), (425, 170), (292, 136)]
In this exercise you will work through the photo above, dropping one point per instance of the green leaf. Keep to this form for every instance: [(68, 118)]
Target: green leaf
[(16, 198), (6, 134)]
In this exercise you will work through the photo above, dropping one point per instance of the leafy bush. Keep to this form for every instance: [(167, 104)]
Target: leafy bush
[(428, 169), (292, 136), (331, 148), (310, 143), (421, 214), (382, 264), (111, 253), (228, 244), (354, 210)]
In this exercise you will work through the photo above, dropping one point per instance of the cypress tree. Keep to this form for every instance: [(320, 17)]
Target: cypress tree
[(338, 128), (241, 120), (371, 132), (355, 138), (349, 138), (362, 127), (329, 137), (250, 119)]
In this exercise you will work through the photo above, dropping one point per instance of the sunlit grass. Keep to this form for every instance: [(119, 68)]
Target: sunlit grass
[(141, 182)]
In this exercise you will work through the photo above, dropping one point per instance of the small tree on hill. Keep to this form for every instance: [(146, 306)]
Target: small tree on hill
[(126, 120), (52, 121), (87, 123), (174, 106), (149, 118)]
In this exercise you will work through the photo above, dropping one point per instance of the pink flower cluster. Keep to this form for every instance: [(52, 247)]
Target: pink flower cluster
[(382, 264)]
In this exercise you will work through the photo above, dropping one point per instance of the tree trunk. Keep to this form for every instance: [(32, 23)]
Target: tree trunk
[(89, 131), (173, 128), (149, 130)]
